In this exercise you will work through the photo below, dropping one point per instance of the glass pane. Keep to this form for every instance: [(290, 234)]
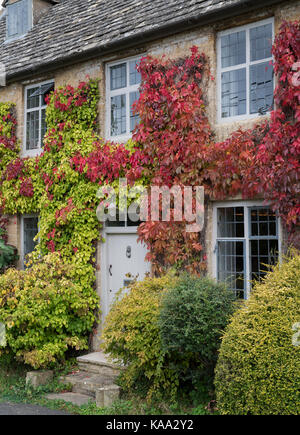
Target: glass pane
[(261, 42), (261, 87), (263, 222), (134, 75), (43, 126), (30, 231), (231, 266), (262, 253), (118, 115), (16, 19), (233, 49), (234, 93), (46, 90), (33, 98), (118, 76), (231, 222), (134, 119), (32, 130), (12, 20)]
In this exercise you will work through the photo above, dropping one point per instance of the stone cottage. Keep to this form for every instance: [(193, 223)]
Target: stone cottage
[(45, 44)]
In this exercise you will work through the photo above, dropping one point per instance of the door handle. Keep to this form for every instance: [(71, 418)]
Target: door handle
[(109, 270)]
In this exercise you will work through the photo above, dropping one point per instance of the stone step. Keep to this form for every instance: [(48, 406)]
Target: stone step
[(74, 398), (98, 363), (86, 382)]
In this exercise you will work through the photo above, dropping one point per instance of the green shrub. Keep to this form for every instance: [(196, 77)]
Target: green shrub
[(45, 312), (258, 371), (132, 337), (194, 313), (8, 253)]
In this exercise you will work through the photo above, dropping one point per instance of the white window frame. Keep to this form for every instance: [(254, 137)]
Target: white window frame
[(121, 91), (37, 151), (247, 206), (246, 65), (22, 238)]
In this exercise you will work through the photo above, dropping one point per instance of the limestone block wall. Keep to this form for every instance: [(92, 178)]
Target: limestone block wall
[(175, 46)]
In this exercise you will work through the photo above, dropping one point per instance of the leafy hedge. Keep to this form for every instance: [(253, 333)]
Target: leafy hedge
[(132, 337), (166, 332), (45, 311), (193, 315), (258, 370)]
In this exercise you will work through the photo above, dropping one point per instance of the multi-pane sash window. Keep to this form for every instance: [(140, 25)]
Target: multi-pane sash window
[(123, 83), (29, 232), (35, 114), (245, 71), (246, 243)]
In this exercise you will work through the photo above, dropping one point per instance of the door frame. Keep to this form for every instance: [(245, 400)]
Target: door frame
[(106, 231)]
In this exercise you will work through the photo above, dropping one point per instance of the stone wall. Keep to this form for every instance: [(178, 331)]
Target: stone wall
[(174, 47)]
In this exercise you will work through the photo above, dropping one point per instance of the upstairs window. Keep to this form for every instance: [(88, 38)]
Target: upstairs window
[(123, 82), (35, 116), (19, 18), (246, 84)]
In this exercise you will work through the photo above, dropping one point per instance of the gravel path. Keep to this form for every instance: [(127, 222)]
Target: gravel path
[(21, 409)]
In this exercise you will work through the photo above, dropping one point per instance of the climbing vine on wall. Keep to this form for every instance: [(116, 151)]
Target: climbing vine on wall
[(49, 186), (173, 145)]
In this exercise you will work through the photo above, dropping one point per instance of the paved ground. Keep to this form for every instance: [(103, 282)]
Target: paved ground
[(21, 409)]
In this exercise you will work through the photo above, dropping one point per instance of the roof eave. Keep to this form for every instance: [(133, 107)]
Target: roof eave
[(137, 40)]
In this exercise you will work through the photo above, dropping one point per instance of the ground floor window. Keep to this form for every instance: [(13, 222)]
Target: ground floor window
[(246, 241), (29, 229)]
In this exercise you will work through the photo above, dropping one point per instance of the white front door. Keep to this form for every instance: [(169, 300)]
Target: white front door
[(124, 261)]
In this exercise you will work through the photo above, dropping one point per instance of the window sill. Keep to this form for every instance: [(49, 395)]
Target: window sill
[(243, 118), (119, 139), (31, 153)]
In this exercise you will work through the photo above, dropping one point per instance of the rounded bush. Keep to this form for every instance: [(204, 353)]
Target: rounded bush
[(45, 312), (258, 370), (131, 337), (194, 313)]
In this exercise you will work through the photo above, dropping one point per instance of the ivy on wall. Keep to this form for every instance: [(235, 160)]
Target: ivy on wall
[(47, 184), (173, 145)]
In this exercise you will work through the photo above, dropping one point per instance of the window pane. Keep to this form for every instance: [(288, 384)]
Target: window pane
[(32, 130), (231, 265), (261, 42), (117, 222), (118, 77), (30, 231), (261, 87), (43, 126), (231, 222), (263, 222), (46, 90), (17, 18), (134, 119), (233, 49), (262, 253), (33, 98), (12, 20), (118, 115), (234, 93), (134, 75)]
